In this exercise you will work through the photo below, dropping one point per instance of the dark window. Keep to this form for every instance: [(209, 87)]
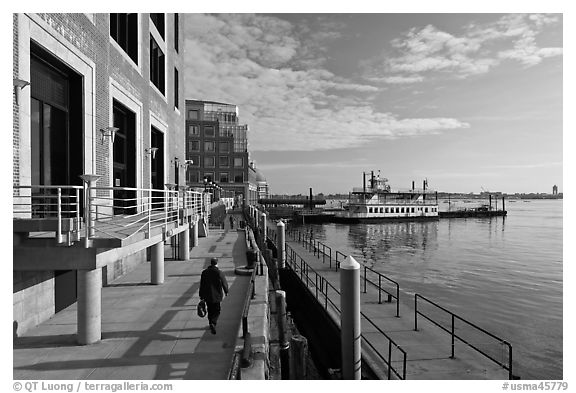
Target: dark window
[(193, 176), (193, 131), (239, 177), (194, 145), (193, 114), (224, 162), (224, 177), (176, 31), (209, 161), (124, 30), (224, 147), (156, 65), (158, 20), (208, 146), (209, 131), (176, 97)]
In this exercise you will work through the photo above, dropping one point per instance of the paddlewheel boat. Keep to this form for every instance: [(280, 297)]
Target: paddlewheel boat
[(376, 201)]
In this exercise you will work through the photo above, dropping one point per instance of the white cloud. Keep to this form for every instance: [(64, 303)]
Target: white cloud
[(248, 60), (421, 52)]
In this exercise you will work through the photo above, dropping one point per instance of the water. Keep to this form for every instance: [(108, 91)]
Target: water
[(503, 274)]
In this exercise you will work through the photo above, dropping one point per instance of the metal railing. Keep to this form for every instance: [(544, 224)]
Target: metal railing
[(370, 275), (250, 294), (324, 291), (50, 203), (107, 212), (452, 331)]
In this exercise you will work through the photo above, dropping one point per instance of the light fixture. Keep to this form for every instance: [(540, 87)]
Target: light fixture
[(19, 84), (151, 151), (108, 131), (188, 163)]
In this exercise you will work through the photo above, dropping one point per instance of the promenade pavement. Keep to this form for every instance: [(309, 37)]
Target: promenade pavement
[(148, 331)]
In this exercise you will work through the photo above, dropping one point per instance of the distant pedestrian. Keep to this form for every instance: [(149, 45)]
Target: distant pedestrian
[(212, 286), (231, 222)]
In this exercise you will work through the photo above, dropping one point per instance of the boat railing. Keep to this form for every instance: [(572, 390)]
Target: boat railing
[(476, 337), (324, 292)]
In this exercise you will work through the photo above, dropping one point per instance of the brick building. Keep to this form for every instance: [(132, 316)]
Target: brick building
[(93, 94), (217, 149)]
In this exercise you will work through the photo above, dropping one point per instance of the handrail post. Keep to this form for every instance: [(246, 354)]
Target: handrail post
[(77, 214), (89, 182), (379, 289), (149, 212), (416, 312), (365, 268), (59, 212), (510, 375), (389, 358), (397, 300), (452, 332)]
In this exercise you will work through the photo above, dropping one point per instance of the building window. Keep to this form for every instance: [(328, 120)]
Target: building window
[(176, 92), (224, 177), (387, 211), (397, 210), (412, 210), (224, 147), (193, 176), (176, 31), (426, 210), (238, 177), (209, 161), (193, 131), (238, 162), (209, 176), (381, 210), (158, 20), (193, 145), (209, 131), (224, 162), (208, 146), (369, 210), (195, 161), (193, 114), (157, 59), (402, 210), (124, 30)]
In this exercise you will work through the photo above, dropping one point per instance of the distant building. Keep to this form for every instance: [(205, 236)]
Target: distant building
[(555, 190), (217, 147)]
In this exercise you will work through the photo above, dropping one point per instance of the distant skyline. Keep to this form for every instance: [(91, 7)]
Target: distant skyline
[(468, 101)]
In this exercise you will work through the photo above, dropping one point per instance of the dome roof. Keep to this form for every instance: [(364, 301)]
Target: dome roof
[(259, 176)]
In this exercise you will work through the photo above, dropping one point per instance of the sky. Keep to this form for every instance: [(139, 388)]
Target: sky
[(470, 102)]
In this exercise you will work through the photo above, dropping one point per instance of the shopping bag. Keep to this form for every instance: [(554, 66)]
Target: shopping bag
[(202, 309)]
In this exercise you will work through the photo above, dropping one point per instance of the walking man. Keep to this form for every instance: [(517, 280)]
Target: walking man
[(231, 222), (212, 286)]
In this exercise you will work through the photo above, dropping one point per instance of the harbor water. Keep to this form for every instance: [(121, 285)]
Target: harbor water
[(504, 273)]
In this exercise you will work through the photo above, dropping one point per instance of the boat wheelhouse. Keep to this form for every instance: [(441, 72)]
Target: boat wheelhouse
[(375, 201)]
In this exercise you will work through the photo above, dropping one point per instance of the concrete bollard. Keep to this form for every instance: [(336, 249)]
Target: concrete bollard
[(157, 263), (184, 244), (350, 318), (281, 244), (281, 318), (194, 226), (298, 357), (89, 312)]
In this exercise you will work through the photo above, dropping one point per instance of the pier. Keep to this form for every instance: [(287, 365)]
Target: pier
[(402, 338)]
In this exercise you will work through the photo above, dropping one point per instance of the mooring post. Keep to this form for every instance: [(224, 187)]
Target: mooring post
[(298, 356), (282, 334), (89, 311), (264, 229), (157, 263), (281, 244), (350, 318)]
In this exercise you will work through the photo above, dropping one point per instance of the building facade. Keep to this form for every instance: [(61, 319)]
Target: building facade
[(93, 94), (217, 149)]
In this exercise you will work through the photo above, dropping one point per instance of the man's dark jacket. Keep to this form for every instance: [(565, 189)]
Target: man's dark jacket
[(212, 283)]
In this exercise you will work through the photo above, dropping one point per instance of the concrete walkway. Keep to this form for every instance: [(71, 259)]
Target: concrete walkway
[(148, 331)]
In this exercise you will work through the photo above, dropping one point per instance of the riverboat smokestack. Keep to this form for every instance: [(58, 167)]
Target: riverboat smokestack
[(364, 181), (412, 185), (311, 205), (372, 180)]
